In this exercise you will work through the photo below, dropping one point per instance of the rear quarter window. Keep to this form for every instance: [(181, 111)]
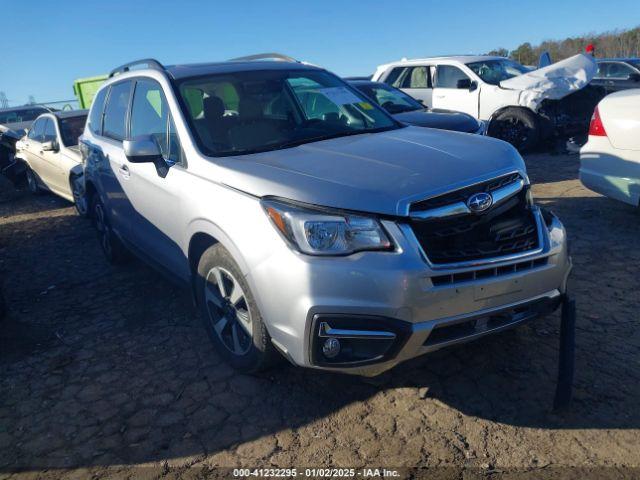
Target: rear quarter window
[(95, 117)]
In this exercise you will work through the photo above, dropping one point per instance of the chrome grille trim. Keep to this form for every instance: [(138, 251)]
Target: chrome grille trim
[(461, 208)]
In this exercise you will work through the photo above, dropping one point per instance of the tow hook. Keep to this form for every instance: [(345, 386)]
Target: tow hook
[(566, 358)]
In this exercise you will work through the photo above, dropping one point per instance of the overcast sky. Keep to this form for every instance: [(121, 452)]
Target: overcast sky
[(46, 45)]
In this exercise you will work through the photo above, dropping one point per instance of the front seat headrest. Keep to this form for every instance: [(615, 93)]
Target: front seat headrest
[(213, 108)]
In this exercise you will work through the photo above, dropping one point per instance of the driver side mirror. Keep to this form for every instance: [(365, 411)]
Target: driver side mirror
[(145, 149), (635, 77), (50, 146), (466, 84)]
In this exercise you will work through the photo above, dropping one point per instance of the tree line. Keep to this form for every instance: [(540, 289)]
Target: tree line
[(617, 43)]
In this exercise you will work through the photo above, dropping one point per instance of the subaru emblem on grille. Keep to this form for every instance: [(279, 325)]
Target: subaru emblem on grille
[(479, 202)]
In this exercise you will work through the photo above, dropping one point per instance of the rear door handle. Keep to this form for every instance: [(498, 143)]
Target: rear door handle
[(124, 171)]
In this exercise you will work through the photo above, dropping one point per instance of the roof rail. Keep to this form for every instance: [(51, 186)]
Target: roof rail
[(265, 56), (149, 62)]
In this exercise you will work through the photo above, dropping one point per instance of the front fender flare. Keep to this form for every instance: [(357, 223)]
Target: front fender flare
[(201, 225)]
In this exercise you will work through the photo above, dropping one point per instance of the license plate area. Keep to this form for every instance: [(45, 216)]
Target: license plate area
[(496, 289)]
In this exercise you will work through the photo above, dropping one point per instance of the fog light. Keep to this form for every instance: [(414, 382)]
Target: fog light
[(331, 347)]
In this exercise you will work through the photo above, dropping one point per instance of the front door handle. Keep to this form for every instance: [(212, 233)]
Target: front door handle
[(124, 171)]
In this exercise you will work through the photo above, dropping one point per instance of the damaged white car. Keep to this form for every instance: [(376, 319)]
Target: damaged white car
[(521, 106)]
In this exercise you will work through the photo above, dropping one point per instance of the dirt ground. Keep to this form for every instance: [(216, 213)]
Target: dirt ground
[(107, 372)]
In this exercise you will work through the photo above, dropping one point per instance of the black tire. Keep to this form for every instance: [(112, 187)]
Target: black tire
[(32, 182), (518, 126), (3, 306), (111, 246), (255, 352), (79, 197)]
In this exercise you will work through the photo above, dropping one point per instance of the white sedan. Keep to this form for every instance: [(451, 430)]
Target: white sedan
[(610, 160), (51, 156)]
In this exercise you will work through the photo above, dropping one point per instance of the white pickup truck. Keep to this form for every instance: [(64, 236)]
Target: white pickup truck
[(520, 105)]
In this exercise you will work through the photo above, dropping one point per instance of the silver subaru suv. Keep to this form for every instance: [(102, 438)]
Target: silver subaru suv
[(309, 222)]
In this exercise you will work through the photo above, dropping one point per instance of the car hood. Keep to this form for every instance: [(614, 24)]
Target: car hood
[(377, 172), (443, 119), (554, 81)]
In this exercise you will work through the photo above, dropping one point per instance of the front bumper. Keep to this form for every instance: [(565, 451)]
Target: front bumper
[(425, 307)]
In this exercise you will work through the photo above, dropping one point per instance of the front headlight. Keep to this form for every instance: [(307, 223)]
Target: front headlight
[(320, 232)]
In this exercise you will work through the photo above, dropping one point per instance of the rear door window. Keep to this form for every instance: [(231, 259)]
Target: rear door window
[(418, 77), (410, 77), (115, 112)]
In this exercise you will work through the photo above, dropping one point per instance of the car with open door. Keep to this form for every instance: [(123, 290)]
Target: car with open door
[(407, 109), (50, 156)]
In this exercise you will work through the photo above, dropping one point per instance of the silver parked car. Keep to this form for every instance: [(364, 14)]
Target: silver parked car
[(308, 221)]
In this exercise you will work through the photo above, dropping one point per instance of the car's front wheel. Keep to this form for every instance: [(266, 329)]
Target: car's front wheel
[(32, 182), (230, 314), (79, 198), (111, 246), (517, 126)]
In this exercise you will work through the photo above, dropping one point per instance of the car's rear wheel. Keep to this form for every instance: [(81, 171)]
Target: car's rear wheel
[(517, 126), (79, 198), (32, 182), (112, 248), (230, 314)]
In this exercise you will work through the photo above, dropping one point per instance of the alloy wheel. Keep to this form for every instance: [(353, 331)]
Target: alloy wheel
[(103, 230), (78, 196), (229, 315), (515, 132), (32, 183)]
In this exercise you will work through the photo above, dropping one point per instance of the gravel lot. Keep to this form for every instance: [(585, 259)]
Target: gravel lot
[(107, 371)]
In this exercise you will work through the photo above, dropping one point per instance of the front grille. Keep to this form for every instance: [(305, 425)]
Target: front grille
[(505, 229)]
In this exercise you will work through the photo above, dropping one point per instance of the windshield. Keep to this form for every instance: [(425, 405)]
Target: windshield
[(248, 112), (21, 115), (635, 63), (494, 71), (391, 99), (71, 128)]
